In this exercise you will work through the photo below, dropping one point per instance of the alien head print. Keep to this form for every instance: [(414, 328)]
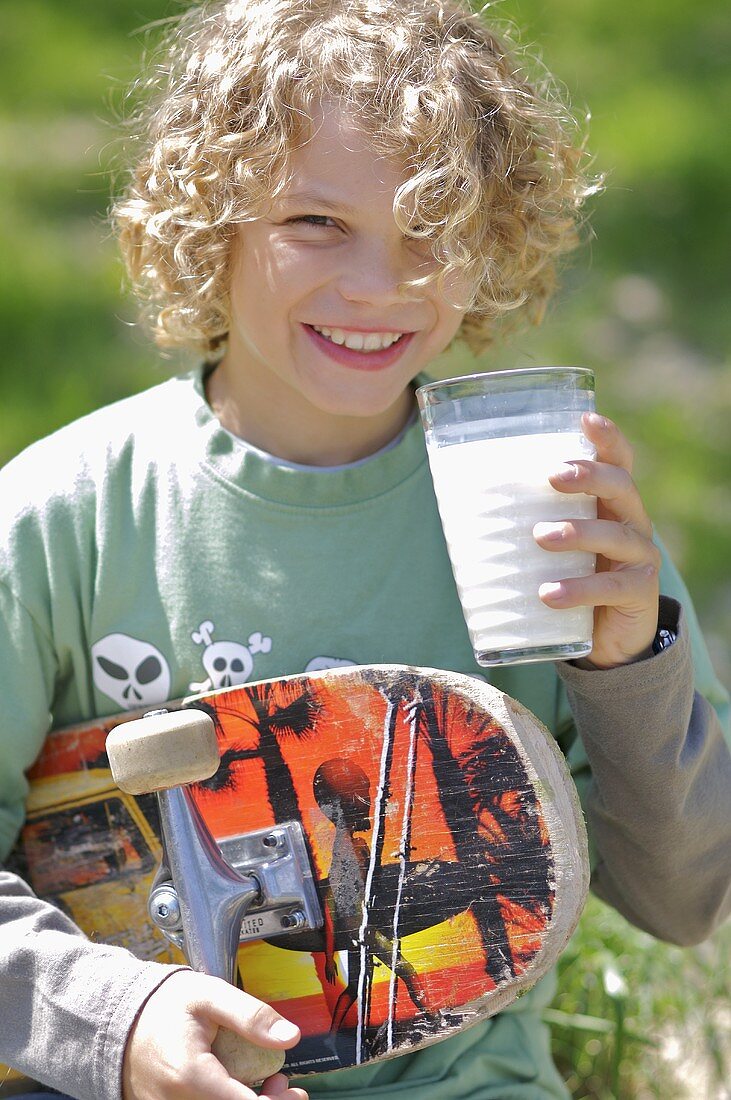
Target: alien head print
[(131, 672)]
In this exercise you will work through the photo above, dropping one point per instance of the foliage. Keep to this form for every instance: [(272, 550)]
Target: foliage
[(635, 1019)]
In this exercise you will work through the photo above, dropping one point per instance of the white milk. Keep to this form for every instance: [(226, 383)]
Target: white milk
[(491, 493)]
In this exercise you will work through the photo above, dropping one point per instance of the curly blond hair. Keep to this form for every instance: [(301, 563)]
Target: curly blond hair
[(496, 176)]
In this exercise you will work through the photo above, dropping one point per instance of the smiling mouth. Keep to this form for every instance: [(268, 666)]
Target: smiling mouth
[(359, 341)]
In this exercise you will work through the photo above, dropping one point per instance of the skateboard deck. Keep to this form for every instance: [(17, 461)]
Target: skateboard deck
[(442, 828)]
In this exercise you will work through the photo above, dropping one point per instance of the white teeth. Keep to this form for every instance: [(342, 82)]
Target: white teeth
[(360, 341)]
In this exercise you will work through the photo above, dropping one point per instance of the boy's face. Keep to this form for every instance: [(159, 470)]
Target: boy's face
[(322, 337)]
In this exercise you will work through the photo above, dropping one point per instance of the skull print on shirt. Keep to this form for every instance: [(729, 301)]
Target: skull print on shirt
[(319, 664), (132, 672), (227, 663)]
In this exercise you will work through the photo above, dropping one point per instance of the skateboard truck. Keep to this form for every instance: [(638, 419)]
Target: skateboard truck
[(207, 897), (271, 891)]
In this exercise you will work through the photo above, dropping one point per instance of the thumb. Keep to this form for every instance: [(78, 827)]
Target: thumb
[(229, 1007), (251, 1036)]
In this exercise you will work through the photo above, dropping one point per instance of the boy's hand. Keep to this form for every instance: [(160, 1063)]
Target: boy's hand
[(625, 589), (168, 1055)]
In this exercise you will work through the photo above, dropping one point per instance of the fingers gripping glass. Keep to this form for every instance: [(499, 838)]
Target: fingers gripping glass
[(492, 441)]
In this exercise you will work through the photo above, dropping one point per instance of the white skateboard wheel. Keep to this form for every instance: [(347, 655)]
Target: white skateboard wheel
[(163, 749), (244, 1061)]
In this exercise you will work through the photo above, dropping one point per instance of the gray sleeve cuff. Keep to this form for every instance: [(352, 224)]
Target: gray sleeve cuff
[(67, 1004), (602, 683), (657, 806), (109, 1053)]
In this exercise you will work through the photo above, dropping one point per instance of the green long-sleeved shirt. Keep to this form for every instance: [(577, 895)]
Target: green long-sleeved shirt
[(147, 536)]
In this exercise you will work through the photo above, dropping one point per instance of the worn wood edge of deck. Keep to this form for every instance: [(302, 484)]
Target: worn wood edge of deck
[(548, 771)]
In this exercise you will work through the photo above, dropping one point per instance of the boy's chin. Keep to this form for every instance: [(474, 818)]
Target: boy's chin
[(390, 405)]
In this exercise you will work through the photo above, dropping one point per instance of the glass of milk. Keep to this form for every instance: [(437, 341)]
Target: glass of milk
[(492, 441)]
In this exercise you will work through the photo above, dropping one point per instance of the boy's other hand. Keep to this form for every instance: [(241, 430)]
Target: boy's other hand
[(168, 1054), (624, 591)]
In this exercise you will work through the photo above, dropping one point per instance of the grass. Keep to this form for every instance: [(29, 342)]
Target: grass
[(635, 1019), (645, 305)]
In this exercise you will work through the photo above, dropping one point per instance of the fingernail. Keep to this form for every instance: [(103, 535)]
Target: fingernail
[(551, 591), (549, 532), (569, 471), (597, 421), (283, 1030)]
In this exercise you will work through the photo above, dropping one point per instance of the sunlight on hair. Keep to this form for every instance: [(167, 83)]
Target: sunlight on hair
[(497, 170)]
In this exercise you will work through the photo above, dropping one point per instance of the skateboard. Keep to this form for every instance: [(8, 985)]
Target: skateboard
[(386, 854)]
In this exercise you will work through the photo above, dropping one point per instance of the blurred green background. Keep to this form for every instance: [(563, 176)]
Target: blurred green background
[(646, 305)]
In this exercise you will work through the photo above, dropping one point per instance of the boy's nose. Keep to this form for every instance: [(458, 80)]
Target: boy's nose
[(376, 273)]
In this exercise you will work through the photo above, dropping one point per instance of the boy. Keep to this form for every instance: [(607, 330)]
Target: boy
[(330, 193)]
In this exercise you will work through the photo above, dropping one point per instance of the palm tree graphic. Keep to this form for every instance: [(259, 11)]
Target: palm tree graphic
[(280, 711)]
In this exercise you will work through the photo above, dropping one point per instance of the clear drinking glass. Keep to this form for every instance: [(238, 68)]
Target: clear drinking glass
[(492, 441)]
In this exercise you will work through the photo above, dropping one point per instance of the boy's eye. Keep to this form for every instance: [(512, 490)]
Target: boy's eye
[(312, 219)]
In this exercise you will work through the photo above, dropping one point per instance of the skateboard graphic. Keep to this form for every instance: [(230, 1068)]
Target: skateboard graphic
[(385, 854)]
